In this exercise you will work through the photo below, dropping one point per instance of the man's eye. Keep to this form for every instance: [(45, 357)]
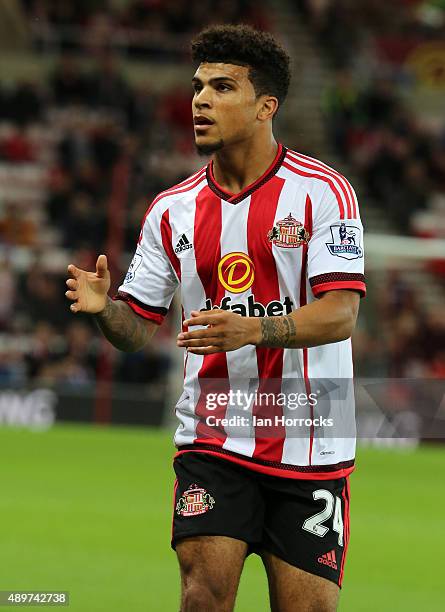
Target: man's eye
[(223, 87)]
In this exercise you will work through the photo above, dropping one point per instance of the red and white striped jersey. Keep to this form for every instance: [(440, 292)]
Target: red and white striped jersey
[(279, 244)]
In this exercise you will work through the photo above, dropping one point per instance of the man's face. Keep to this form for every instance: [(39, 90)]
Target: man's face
[(224, 106)]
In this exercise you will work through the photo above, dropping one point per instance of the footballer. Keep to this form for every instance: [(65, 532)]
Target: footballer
[(266, 246)]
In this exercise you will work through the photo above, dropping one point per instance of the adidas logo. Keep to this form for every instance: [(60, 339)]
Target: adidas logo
[(329, 559), (183, 244)]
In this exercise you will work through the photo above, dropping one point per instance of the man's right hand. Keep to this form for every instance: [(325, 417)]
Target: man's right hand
[(88, 290)]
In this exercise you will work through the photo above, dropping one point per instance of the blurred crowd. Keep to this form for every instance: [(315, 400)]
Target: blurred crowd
[(66, 147), (62, 145), (345, 28), (372, 122), (157, 29), (86, 148), (400, 159), (399, 154), (403, 337)]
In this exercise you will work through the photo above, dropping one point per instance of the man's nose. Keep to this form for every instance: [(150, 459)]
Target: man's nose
[(202, 99)]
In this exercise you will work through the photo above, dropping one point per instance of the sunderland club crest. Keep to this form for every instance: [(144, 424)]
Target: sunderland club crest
[(194, 501), (288, 233)]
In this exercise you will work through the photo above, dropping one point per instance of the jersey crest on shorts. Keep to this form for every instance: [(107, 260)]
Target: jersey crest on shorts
[(194, 501), (288, 233)]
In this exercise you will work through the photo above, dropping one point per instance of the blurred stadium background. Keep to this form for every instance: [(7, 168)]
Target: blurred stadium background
[(94, 121)]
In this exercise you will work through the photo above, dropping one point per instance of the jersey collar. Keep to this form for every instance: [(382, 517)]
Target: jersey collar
[(235, 198)]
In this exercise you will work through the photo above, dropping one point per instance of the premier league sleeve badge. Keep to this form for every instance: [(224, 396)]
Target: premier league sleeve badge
[(346, 241)]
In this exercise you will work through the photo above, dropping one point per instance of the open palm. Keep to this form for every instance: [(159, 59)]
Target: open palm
[(88, 290)]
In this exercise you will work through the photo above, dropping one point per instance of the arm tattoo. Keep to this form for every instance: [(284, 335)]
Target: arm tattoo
[(278, 332), (122, 327)]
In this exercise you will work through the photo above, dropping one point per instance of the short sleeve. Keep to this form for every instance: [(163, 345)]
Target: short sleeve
[(335, 252), (151, 280)]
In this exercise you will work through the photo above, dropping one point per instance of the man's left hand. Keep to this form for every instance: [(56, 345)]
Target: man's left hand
[(224, 331)]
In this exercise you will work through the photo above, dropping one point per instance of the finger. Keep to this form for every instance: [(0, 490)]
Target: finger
[(211, 313), (101, 266), (207, 332), (71, 295), (203, 319), (199, 342), (196, 313), (72, 283), (74, 271), (75, 307), (205, 351)]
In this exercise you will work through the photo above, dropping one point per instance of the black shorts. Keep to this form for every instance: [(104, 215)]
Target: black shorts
[(303, 522)]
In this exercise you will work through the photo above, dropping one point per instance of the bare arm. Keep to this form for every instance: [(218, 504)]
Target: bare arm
[(88, 291), (121, 326), (330, 319)]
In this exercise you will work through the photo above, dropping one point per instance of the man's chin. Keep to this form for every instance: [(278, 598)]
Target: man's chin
[(210, 147)]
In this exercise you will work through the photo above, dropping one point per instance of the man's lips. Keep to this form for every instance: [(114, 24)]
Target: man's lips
[(200, 129), (202, 121)]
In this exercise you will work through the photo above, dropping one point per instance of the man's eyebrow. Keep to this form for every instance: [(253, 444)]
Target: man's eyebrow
[(214, 79)]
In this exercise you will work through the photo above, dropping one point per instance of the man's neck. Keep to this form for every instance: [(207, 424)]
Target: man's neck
[(238, 166)]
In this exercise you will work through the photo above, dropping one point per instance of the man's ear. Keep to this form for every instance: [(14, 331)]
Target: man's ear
[(268, 108)]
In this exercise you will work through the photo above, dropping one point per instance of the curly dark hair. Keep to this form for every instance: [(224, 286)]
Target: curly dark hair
[(268, 62)]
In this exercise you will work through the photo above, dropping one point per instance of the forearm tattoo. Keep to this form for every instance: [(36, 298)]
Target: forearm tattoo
[(278, 332), (122, 327)]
